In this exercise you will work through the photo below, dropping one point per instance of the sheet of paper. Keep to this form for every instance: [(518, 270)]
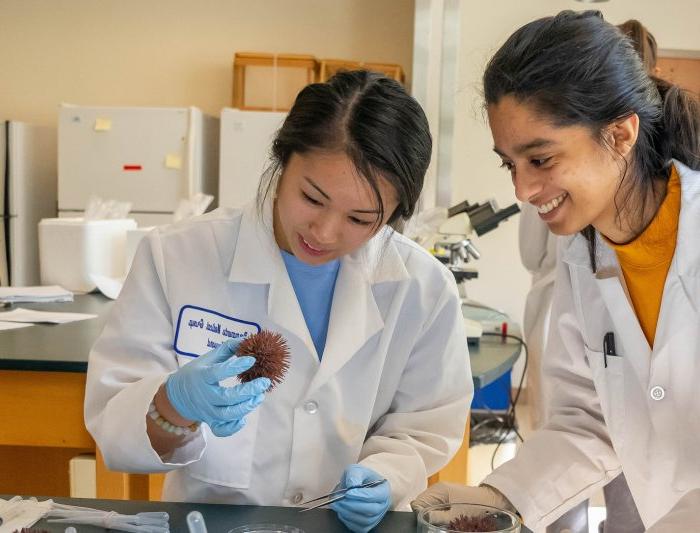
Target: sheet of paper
[(13, 325), (37, 317), (110, 287), (46, 293)]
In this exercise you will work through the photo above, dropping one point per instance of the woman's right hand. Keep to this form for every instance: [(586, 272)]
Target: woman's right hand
[(195, 393), (444, 493)]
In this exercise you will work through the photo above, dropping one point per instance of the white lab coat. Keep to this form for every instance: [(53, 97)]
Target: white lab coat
[(538, 252), (638, 415), (391, 392)]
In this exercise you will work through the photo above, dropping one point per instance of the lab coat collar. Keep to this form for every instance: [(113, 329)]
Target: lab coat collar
[(576, 254), (687, 243), (256, 258)]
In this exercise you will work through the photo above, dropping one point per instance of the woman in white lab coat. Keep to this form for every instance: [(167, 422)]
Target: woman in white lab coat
[(379, 364), (611, 157)]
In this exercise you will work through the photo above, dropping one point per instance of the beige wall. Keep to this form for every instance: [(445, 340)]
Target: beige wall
[(174, 52), (503, 282)]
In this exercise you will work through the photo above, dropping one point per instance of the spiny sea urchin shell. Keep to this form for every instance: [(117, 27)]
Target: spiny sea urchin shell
[(271, 357), (473, 523)]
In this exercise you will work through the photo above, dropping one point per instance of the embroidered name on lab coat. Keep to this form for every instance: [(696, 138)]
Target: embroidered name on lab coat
[(200, 330)]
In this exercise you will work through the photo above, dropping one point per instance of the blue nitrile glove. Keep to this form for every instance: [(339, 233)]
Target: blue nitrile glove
[(362, 509), (195, 393)]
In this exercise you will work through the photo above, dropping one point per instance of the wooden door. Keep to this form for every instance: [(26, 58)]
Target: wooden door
[(683, 71)]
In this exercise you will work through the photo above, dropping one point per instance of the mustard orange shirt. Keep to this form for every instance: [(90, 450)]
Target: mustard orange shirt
[(645, 261)]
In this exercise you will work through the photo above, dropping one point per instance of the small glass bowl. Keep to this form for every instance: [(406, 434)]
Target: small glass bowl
[(266, 528), (437, 518)]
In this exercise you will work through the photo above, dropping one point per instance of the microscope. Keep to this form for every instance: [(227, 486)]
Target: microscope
[(453, 247), (452, 244)]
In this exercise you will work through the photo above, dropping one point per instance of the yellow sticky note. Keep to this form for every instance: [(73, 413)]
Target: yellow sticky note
[(173, 161), (103, 124)]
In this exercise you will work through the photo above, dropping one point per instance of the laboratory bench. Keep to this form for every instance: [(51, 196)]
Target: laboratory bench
[(42, 388), (221, 518)]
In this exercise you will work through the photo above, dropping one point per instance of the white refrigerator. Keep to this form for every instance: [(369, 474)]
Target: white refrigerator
[(151, 157), (246, 140), (27, 194)]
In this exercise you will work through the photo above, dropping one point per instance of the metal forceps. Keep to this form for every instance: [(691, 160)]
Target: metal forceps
[(338, 495)]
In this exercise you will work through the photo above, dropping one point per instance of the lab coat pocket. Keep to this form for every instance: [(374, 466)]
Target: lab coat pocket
[(609, 383), (228, 461)]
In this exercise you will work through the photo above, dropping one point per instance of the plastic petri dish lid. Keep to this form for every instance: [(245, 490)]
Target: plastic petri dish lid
[(266, 528), (482, 518)]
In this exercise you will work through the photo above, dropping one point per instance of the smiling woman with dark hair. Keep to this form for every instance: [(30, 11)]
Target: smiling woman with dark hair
[(608, 156)]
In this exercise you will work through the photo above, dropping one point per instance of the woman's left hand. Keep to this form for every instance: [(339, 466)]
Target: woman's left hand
[(362, 509)]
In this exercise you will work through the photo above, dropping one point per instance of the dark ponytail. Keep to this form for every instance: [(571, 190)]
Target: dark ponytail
[(576, 69), (681, 124)]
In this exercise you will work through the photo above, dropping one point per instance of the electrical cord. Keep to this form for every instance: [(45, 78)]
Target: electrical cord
[(506, 423)]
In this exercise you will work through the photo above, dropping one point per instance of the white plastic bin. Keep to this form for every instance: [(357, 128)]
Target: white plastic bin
[(70, 249)]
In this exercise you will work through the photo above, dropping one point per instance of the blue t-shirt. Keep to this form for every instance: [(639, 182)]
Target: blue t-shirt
[(314, 286)]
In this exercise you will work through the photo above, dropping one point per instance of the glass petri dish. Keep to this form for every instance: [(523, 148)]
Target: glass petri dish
[(266, 528), (467, 518)]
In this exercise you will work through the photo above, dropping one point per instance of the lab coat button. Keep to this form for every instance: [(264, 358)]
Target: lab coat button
[(311, 407), (297, 498), (657, 393)]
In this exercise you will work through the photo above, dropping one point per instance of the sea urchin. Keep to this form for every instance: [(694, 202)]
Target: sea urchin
[(271, 357), (473, 523)]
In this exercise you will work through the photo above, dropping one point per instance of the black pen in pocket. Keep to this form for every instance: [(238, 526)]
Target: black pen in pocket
[(608, 347)]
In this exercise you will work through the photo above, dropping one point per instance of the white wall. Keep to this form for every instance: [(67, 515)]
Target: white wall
[(175, 52), (503, 282)]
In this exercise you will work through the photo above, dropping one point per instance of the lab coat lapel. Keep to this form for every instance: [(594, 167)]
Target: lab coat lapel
[(355, 316), (679, 316), (687, 244), (256, 252), (610, 283), (636, 349), (257, 260), (283, 308)]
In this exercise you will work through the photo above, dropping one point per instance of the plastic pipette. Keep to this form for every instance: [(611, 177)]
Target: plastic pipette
[(195, 522)]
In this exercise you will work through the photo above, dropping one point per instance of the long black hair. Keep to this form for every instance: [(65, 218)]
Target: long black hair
[(576, 69), (369, 117)]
